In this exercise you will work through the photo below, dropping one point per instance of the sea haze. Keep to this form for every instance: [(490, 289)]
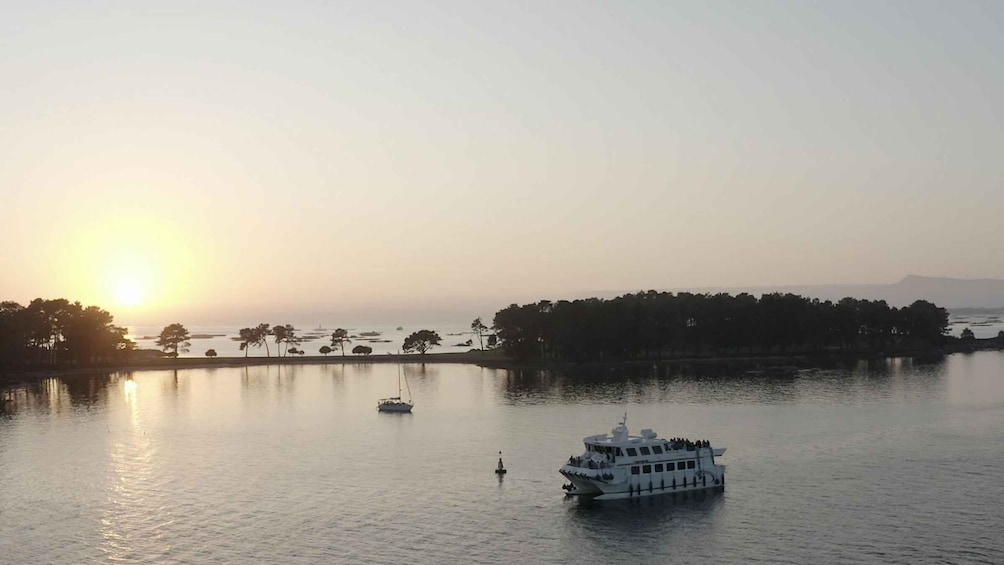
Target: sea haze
[(892, 461)]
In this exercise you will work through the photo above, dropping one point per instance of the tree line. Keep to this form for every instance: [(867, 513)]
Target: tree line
[(420, 341), (58, 332), (665, 325)]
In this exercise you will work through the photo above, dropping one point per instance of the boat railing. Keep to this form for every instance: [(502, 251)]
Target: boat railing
[(588, 463)]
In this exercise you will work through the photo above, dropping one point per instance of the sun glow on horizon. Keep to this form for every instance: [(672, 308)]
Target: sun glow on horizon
[(130, 292), (129, 264), (129, 281)]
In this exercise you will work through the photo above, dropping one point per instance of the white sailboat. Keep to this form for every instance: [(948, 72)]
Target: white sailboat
[(396, 403)]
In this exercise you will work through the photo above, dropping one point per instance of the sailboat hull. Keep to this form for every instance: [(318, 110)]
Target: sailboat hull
[(394, 407)]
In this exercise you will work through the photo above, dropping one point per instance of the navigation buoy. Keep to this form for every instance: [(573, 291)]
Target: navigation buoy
[(500, 470)]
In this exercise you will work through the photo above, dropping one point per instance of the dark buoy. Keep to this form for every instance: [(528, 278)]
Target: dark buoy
[(500, 470)]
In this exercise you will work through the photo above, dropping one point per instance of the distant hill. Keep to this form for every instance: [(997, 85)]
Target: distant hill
[(945, 292)]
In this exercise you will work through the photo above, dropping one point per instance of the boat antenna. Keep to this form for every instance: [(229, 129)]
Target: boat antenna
[(624, 421)]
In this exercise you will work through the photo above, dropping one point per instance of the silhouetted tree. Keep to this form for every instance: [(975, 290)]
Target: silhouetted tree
[(284, 334), (13, 333), (174, 338), (88, 335), (420, 341), (925, 322), (967, 335), (325, 350), (260, 334), (248, 337), (44, 324), (362, 350), (211, 353), (339, 338), (478, 328)]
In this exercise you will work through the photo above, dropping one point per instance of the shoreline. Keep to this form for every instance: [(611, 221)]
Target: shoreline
[(490, 360), (16, 376)]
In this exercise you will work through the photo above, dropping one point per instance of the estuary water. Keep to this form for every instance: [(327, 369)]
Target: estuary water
[(892, 461)]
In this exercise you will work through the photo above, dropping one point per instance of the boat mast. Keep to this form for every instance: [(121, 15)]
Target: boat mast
[(407, 386)]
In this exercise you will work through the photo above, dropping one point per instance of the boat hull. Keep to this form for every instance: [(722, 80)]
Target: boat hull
[(592, 484), (394, 407), (667, 492)]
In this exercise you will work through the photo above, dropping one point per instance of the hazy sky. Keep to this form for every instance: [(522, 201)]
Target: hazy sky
[(165, 158)]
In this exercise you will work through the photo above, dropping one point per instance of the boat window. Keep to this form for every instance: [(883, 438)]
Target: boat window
[(690, 464), (657, 450), (681, 465), (635, 470), (619, 452), (645, 451), (658, 467), (646, 468), (632, 452)]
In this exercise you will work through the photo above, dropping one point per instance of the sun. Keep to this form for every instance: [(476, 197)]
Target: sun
[(129, 281), (129, 292)]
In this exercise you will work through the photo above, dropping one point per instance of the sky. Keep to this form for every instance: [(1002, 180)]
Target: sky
[(224, 160)]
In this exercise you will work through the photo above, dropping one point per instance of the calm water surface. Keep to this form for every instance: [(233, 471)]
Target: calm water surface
[(891, 462)]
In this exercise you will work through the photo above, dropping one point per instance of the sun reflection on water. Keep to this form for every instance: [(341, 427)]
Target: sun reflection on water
[(131, 515), (130, 393)]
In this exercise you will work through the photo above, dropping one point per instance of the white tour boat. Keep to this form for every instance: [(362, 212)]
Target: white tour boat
[(620, 465), (396, 403)]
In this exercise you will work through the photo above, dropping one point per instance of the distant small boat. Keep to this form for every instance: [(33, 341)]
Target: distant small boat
[(396, 403)]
